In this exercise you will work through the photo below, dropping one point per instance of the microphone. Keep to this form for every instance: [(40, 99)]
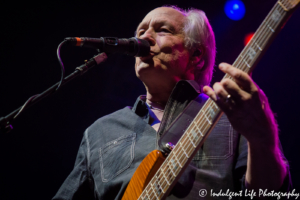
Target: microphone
[(132, 46)]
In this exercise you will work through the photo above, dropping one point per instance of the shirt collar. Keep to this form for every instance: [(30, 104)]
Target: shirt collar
[(141, 109)]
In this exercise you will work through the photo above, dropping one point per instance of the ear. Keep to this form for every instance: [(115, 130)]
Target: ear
[(196, 56)]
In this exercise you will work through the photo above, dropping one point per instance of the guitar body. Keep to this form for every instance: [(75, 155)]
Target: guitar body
[(143, 175)]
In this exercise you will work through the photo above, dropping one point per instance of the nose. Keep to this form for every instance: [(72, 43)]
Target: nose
[(149, 35)]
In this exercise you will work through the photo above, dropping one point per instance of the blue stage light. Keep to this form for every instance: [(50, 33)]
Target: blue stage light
[(235, 9)]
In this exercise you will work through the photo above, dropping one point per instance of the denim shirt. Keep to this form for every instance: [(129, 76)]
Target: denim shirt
[(114, 146)]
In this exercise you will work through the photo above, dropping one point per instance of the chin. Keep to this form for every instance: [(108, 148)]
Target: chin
[(143, 70), (143, 65)]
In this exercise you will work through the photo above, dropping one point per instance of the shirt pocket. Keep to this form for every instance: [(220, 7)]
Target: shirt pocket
[(116, 156), (219, 144)]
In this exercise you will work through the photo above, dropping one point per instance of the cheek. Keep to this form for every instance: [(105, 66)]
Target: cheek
[(165, 45), (173, 48), (180, 55)]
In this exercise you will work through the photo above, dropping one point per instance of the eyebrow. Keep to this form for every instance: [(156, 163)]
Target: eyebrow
[(139, 26)]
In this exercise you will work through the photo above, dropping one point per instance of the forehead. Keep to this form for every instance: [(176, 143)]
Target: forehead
[(164, 15)]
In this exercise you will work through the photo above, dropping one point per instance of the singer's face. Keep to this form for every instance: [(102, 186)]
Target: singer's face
[(168, 60)]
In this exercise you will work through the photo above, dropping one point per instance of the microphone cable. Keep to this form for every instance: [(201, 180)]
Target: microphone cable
[(62, 76)]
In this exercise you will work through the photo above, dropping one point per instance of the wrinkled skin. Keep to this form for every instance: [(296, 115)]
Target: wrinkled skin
[(169, 60)]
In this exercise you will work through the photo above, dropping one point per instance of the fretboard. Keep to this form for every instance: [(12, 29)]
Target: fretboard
[(195, 135)]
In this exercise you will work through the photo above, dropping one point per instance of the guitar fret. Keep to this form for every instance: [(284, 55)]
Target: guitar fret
[(172, 171), (194, 135), (216, 107), (158, 189), (166, 179), (273, 17), (189, 144), (258, 46), (198, 129), (162, 190), (265, 26), (206, 117), (212, 113), (246, 63), (142, 196), (271, 28), (186, 155), (147, 194), (164, 186), (169, 176), (177, 160), (182, 158), (174, 165), (153, 191), (191, 141), (161, 180), (284, 8), (243, 61)]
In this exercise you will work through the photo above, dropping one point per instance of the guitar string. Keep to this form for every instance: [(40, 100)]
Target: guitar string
[(266, 32), (180, 159), (171, 172), (290, 4), (240, 62), (261, 32), (165, 168), (238, 66)]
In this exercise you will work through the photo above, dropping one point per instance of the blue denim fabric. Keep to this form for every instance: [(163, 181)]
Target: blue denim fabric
[(113, 147)]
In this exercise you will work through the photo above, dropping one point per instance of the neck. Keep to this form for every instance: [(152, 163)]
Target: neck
[(158, 99), (155, 105), (158, 93)]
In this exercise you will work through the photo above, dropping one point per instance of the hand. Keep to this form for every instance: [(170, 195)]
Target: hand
[(245, 105)]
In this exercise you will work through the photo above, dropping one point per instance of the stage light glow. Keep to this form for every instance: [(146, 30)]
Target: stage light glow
[(248, 37), (235, 9)]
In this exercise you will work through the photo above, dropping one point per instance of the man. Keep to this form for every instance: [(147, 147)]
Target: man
[(182, 48)]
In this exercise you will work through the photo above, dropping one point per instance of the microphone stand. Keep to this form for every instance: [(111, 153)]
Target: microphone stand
[(5, 122)]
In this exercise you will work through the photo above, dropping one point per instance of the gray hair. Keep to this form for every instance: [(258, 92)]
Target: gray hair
[(199, 35)]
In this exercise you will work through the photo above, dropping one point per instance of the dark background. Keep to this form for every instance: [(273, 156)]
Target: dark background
[(40, 152)]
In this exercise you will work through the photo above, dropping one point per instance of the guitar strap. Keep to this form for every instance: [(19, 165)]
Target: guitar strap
[(182, 122)]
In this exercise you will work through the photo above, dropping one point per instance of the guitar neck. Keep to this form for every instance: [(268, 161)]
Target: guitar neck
[(195, 135), (264, 35)]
